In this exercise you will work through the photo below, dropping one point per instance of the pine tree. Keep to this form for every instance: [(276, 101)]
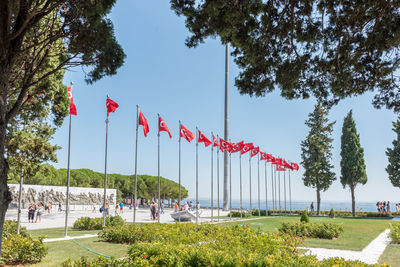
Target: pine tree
[(393, 168), (316, 152), (352, 163)]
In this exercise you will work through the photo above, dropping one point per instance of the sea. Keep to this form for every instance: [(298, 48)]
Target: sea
[(296, 205)]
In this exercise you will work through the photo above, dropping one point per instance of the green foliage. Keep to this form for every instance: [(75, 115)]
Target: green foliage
[(316, 152), (313, 230), (332, 213), (393, 154), (245, 214), (304, 217), (147, 185), (352, 162), (304, 48), (87, 223), (10, 227), (395, 233)]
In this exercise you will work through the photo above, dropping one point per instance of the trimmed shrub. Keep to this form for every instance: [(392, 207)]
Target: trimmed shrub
[(10, 227), (332, 213), (395, 233), (304, 217), (313, 230), (87, 223), (236, 214)]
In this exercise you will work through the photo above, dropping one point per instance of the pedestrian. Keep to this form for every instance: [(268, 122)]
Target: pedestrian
[(121, 207), (31, 212), (49, 207), (388, 208), (107, 209), (152, 211), (39, 212), (59, 207), (176, 207), (312, 207), (116, 210), (162, 207)]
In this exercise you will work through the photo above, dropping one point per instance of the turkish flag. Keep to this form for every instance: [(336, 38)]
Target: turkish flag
[(277, 161), (162, 127), (215, 142), (111, 106), (254, 151), (264, 156), (72, 107), (295, 166), (225, 145), (246, 148), (203, 139), (237, 147), (280, 168), (287, 165), (185, 133), (143, 122)]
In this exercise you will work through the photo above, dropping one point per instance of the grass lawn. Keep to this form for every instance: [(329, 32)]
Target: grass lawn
[(357, 234), (59, 232), (63, 250), (391, 255)]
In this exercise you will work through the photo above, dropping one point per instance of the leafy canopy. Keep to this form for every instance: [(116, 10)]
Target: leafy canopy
[(393, 154)]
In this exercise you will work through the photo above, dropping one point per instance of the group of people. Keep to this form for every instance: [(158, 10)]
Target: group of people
[(384, 207), (189, 206), (35, 209)]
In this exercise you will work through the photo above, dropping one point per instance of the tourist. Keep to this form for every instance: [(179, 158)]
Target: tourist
[(156, 211), (378, 207), (312, 207), (162, 207), (121, 207), (186, 206), (198, 206), (39, 212), (49, 207), (59, 207), (31, 212), (116, 210), (152, 210), (388, 208), (384, 206), (398, 207), (107, 209), (176, 207)]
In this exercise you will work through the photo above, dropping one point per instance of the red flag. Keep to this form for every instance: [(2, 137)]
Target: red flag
[(280, 168), (287, 165), (246, 148), (203, 139), (162, 127), (264, 156), (215, 143), (237, 147), (225, 145), (143, 122), (111, 106), (185, 133), (271, 159), (295, 166), (72, 107), (277, 161), (254, 151)]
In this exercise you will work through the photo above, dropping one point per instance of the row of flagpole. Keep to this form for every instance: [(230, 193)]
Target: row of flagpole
[(223, 145)]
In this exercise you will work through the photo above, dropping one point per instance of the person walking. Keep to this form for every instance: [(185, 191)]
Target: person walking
[(121, 207), (39, 212), (176, 207), (31, 212), (312, 207), (162, 207)]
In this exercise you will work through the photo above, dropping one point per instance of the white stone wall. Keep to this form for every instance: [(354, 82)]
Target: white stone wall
[(81, 198)]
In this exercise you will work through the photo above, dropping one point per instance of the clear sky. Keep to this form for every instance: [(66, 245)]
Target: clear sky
[(163, 76)]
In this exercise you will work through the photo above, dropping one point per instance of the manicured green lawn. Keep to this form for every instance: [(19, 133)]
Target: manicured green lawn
[(63, 250), (391, 255), (59, 232), (357, 234)]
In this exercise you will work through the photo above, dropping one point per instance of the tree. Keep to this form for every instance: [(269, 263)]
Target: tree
[(352, 163), (38, 41), (317, 152), (393, 154), (328, 49)]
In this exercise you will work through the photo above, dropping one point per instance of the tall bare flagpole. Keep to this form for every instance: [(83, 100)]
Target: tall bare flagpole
[(272, 187), (279, 190), (258, 166), (250, 177), (230, 183), (276, 195), (241, 193), (136, 149), (179, 197), (226, 131), (290, 194), (197, 175), (21, 181), (69, 177), (159, 180), (212, 178), (105, 178), (284, 187), (266, 190)]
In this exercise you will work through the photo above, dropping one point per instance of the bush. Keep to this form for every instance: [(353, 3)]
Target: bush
[(313, 230), (19, 249), (236, 214), (304, 217), (87, 223), (10, 227), (395, 233), (332, 213)]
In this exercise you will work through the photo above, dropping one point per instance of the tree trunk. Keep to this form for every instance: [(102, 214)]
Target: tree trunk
[(353, 201), (318, 202)]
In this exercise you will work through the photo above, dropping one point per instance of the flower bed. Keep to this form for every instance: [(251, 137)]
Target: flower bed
[(313, 230)]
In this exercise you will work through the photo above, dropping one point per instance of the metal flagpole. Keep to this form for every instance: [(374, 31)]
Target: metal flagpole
[(137, 130), (290, 195), (241, 193), (279, 190), (68, 178), (226, 130), (105, 179), (179, 197), (250, 176), (258, 167), (21, 181), (197, 175), (284, 187), (266, 190), (230, 183), (159, 180), (212, 179), (276, 196), (272, 187), (218, 179)]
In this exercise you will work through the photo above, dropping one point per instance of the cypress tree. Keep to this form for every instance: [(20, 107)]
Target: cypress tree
[(393, 168), (352, 163), (316, 152)]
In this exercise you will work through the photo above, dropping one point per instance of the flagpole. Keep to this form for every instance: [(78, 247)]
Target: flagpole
[(105, 178), (136, 149), (212, 177), (218, 178), (258, 166), (68, 177), (272, 186), (279, 190), (276, 195), (240, 172), (230, 183), (159, 181), (197, 175), (290, 195), (21, 181), (179, 198), (250, 177), (226, 130), (266, 190), (284, 187)]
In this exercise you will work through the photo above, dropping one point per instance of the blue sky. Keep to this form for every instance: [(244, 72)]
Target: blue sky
[(163, 76)]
